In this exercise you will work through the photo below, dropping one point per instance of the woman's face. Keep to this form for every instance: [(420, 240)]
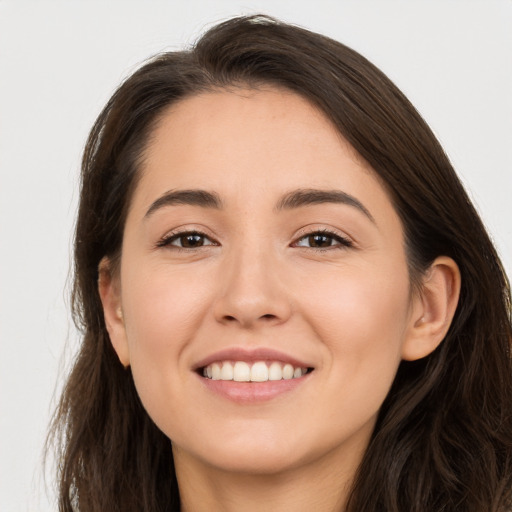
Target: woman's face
[(258, 241)]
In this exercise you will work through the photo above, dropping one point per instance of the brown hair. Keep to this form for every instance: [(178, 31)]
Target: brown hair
[(443, 438)]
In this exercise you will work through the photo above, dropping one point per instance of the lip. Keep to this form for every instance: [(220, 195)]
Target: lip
[(251, 392), (250, 355)]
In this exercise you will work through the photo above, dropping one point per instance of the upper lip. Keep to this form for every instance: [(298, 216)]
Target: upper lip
[(250, 355)]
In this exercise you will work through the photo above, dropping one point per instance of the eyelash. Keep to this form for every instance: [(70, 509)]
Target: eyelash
[(342, 242), (167, 240)]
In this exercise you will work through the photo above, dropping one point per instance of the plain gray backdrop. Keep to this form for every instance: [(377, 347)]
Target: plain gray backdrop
[(60, 62)]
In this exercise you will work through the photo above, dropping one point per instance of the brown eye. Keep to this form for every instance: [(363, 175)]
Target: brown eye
[(323, 240), (320, 240), (189, 240)]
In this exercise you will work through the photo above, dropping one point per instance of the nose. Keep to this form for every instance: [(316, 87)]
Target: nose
[(253, 291)]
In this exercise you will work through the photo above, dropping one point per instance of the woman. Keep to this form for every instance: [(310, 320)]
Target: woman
[(287, 299)]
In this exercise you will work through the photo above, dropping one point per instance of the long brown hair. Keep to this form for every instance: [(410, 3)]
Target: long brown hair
[(443, 438)]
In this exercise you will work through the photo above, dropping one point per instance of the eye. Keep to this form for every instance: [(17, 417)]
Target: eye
[(186, 240), (323, 240)]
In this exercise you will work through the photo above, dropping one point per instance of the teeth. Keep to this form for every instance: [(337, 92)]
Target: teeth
[(241, 371), (260, 371), (227, 372), (275, 372), (287, 371), (215, 371)]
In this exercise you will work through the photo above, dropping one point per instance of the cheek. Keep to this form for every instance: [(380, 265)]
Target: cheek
[(163, 311), (361, 318), (163, 306)]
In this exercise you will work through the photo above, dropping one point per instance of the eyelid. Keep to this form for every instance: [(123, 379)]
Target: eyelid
[(170, 236), (344, 241)]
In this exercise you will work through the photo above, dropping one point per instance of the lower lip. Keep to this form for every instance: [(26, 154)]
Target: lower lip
[(253, 392)]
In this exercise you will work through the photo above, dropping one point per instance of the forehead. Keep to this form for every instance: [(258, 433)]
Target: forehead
[(251, 144)]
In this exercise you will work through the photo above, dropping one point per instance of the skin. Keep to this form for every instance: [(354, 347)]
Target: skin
[(346, 310)]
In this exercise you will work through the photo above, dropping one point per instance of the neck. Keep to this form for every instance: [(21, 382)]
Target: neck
[(316, 486)]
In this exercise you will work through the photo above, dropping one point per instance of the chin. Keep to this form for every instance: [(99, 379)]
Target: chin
[(253, 453), (256, 461)]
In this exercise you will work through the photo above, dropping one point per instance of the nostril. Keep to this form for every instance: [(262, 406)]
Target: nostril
[(249, 320), (269, 316)]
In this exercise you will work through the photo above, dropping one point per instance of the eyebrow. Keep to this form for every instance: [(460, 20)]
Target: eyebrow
[(290, 201), (192, 197), (308, 197)]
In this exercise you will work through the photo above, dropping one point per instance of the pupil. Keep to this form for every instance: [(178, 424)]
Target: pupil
[(192, 241), (320, 240)]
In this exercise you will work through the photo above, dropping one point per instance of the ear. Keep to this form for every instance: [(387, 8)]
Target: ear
[(432, 309), (110, 294)]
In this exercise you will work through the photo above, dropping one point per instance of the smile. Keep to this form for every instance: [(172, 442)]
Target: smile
[(258, 371)]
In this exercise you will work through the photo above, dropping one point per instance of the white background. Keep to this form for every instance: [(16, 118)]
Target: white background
[(59, 63)]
